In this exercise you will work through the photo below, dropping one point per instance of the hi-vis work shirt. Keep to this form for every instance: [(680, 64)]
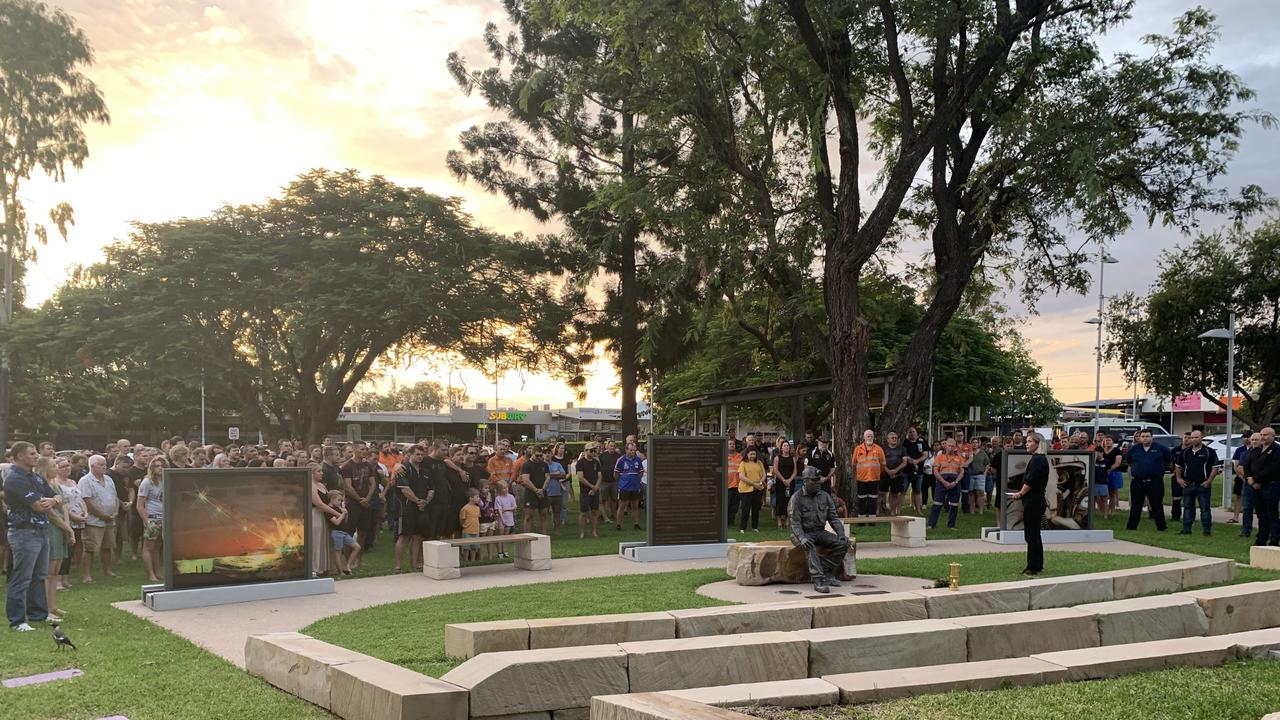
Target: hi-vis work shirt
[(867, 462)]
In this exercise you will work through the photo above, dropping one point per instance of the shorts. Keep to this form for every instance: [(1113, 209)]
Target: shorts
[(588, 502), (94, 536), (533, 502), (486, 528), (973, 482), (1237, 485), (1101, 489), (154, 529), (416, 523), (894, 485), (629, 495), (609, 490), (1115, 480), (916, 482), (341, 540), (470, 546)]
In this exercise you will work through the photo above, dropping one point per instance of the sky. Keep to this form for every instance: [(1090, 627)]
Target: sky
[(225, 102)]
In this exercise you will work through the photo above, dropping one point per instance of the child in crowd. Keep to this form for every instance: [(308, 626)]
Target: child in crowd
[(346, 551), (488, 520), (469, 519), (505, 504)]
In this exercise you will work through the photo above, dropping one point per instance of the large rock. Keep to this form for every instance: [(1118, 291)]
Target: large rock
[(737, 619), (467, 640), (976, 600), (883, 646), (1199, 572), (866, 609), (597, 629), (297, 664), (1144, 581), (778, 561), (657, 706), (1015, 635), (1156, 617), (1237, 608), (696, 662), (804, 693), (1115, 660), (881, 685), (377, 690), (1068, 591), (522, 681)]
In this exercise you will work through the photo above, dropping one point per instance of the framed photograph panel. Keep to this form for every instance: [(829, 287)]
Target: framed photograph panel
[(1068, 495)]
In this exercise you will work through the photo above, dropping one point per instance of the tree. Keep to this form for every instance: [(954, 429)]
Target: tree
[(45, 101), (1154, 336), (288, 304), (422, 395)]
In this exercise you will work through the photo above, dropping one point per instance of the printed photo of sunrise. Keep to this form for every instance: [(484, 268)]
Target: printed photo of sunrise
[(227, 527)]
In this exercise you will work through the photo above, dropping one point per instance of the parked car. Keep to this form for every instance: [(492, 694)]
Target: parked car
[(1219, 443)]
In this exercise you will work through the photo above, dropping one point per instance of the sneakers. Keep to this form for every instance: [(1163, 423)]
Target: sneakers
[(22, 627), (53, 618)]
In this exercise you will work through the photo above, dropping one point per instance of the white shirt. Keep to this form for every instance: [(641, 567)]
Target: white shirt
[(101, 496)]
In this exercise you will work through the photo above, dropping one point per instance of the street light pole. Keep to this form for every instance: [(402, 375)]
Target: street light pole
[(1229, 334), (1103, 261)]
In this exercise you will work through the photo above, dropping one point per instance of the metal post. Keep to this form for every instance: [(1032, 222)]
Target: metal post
[(1231, 381), (496, 414), (202, 438), (724, 418), (695, 423), (1097, 383)]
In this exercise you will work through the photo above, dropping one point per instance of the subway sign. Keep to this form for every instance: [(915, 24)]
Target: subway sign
[(505, 416)]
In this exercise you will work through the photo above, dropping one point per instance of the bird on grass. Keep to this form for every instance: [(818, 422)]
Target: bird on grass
[(60, 638)]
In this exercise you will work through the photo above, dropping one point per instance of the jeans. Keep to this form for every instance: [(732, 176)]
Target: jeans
[(1192, 493), (941, 495), (1267, 503), (1246, 510), (1144, 490), (25, 600)]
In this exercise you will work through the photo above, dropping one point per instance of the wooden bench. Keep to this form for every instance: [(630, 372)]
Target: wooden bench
[(906, 530), (442, 561)]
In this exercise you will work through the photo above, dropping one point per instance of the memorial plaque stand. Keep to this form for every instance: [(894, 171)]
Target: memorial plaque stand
[(686, 500)]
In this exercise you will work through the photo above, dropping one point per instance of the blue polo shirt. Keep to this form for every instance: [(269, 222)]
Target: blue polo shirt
[(22, 488), (629, 470), (1147, 464)]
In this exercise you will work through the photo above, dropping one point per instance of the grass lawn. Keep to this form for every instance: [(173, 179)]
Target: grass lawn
[(1239, 691)]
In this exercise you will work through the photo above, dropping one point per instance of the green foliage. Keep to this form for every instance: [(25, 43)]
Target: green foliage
[(1154, 336), (422, 395)]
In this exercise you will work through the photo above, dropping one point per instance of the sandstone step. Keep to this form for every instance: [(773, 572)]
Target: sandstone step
[(297, 664), (1114, 660), (658, 665), (736, 619), (522, 681), (804, 693), (598, 629), (1156, 617), (878, 685), (1266, 557), (657, 706), (466, 640), (1016, 635), (883, 646), (981, 599), (1237, 608), (378, 690), (867, 609)]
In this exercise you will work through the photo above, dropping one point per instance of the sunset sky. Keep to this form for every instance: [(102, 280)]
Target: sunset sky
[(224, 102)]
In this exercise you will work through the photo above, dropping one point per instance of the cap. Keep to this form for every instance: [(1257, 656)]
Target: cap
[(810, 472)]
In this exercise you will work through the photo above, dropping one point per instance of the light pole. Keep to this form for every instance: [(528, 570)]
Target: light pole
[(1228, 334), (1103, 261)]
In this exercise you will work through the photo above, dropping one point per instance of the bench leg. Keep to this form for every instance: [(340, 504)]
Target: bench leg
[(525, 564), (440, 560)]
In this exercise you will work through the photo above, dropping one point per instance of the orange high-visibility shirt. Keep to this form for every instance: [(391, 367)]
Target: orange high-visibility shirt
[(867, 462), (735, 460), (949, 463)]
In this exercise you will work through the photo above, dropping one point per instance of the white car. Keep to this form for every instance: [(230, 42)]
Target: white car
[(1219, 443)]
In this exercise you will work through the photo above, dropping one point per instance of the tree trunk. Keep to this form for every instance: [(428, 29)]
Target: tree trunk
[(848, 338), (628, 331), (6, 314)]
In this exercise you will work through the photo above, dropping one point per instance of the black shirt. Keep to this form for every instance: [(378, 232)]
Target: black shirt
[(1196, 464), (1263, 464), (609, 460), (1104, 462), (590, 470), (360, 474), (823, 460), (413, 478), (537, 472), (436, 473), (478, 476), (915, 450), (330, 476)]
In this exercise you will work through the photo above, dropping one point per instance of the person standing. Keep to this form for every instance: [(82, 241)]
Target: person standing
[(1147, 462), (868, 466), (150, 508), (609, 483), (733, 460), (630, 473), (99, 493), (534, 476), (979, 461), (330, 470), (70, 492), (785, 469), (1240, 464), (415, 491), (30, 499), (1175, 490), (893, 479), (587, 471), (1107, 479), (948, 469), (824, 461), (1195, 471), (359, 485), (917, 451), (750, 489), (1035, 480), (1263, 473)]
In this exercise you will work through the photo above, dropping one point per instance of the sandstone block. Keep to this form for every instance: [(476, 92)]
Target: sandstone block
[(1265, 557), (777, 561), (543, 715), (522, 681), (377, 690), (884, 646), (1017, 635), (1144, 581), (537, 549), (1238, 608), (1199, 572), (527, 564), (1069, 591), (296, 663), (865, 609), (466, 640), (440, 554), (657, 665), (582, 713), (441, 573), (805, 693), (1157, 617), (1115, 660), (976, 600), (880, 685), (596, 629), (1256, 643), (656, 706), (736, 619)]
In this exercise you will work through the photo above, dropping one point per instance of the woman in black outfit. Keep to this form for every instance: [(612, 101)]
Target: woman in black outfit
[(1034, 481)]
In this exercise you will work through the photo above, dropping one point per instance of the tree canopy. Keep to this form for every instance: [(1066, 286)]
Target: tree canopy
[(422, 395)]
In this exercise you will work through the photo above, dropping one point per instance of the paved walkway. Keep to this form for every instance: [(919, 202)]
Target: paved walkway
[(223, 629)]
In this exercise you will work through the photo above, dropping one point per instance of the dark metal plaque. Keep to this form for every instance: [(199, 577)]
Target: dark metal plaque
[(687, 488)]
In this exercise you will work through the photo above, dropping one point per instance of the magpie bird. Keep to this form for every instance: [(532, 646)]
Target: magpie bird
[(60, 638)]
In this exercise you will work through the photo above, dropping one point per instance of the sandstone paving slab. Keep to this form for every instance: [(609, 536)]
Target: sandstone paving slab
[(1116, 660), (521, 681), (1015, 635), (597, 629), (877, 685), (296, 663), (657, 706), (466, 640), (865, 609), (658, 665), (1156, 617), (884, 646), (1238, 608), (378, 690), (731, 620), (803, 693)]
